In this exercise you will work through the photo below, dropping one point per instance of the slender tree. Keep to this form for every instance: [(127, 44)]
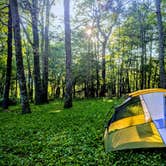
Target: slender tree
[(19, 59), (104, 45), (161, 44), (68, 94), (37, 78), (106, 32), (9, 63), (30, 80), (45, 54), (34, 10)]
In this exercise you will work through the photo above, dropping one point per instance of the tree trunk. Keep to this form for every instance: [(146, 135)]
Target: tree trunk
[(9, 63), (150, 63), (16, 89), (161, 45), (98, 82), (155, 76), (86, 88), (19, 59), (30, 81), (63, 88), (128, 82), (37, 78), (68, 94), (45, 55), (103, 87), (42, 29), (143, 50), (57, 93), (137, 73), (97, 53)]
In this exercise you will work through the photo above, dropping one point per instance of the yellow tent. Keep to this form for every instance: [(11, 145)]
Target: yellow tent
[(139, 122)]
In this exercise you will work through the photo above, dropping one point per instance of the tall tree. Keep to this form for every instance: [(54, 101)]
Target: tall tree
[(114, 7), (161, 44), (9, 63), (33, 8), (37, 78), (30, 80), (19, 59), (68, 94), (45, 54)]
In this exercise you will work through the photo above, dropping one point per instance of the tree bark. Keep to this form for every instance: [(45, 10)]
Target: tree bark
[(161, 44), (9, 63), (68, 94), (19, 59)]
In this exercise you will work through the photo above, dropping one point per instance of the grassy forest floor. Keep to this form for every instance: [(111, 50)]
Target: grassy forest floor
[(52, 135)]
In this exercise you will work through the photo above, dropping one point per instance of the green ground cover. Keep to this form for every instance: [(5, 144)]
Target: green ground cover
[(52, 135)]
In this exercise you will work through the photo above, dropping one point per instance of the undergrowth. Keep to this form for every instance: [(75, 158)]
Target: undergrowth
[(51, 135)]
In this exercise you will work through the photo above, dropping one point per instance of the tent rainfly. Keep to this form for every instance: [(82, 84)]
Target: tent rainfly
[(140, 122)]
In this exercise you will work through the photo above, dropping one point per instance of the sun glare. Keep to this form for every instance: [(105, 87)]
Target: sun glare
[(89, 31)]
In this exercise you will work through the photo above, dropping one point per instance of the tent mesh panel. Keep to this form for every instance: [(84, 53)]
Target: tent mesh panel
[(132, 108)]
